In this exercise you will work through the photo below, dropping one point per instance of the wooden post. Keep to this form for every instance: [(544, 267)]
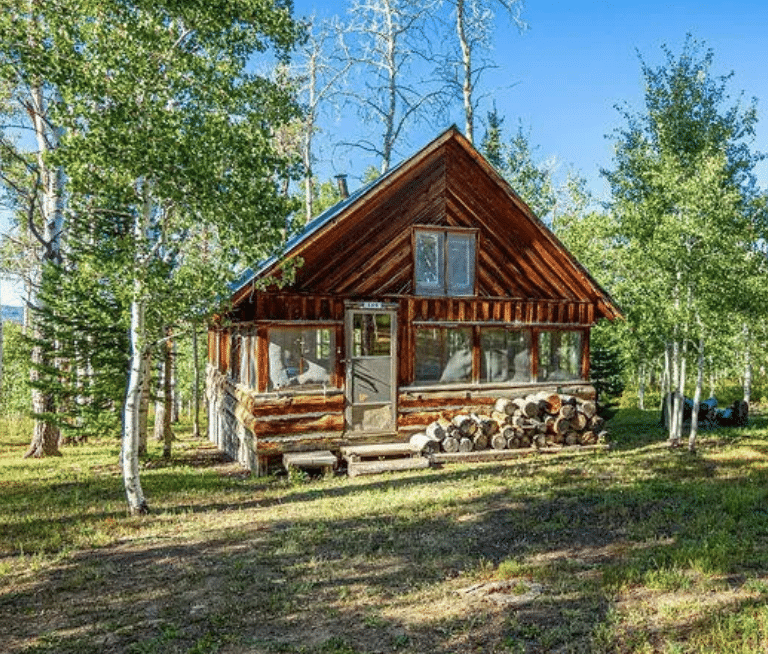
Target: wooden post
[(585, 354), (262, 359), (534, 355)]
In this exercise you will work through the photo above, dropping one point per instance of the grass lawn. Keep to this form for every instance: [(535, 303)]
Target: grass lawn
[(636, 550)]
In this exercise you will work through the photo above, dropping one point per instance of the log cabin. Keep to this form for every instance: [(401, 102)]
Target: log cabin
[(430, 291)]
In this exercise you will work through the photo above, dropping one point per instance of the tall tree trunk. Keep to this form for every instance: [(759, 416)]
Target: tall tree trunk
[(674, 435), (747, 366), (175, 395), (129, 454), (45, 436), (681, 394), (167, 399), (1, 345), (466, 59), (195, 384), (137, 504), (159, 398), (146, 378), (641, 386), (697, 397), (666, 387)]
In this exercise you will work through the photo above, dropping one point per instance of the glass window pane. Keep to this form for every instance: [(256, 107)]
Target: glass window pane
[(301, 357), (506, 355), (372, 335), (461, 264), (559, 356), (429, 263), (443, 355)]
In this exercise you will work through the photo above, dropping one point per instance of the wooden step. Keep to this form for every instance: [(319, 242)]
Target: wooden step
[(355, 468), (323, 459), (355, 453)]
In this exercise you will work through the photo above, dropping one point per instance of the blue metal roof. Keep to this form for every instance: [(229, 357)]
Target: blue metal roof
[(313, 226)]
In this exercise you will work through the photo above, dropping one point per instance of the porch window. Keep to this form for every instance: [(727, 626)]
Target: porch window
[(505, 355), (443, 355), (301, 356), (560, 355), (444, 262)]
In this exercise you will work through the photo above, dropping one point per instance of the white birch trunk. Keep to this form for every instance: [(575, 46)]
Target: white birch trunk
[(681, 393), (167, 400), (666, 387), (45, 437), (697, 398), (641, 386), (146, 377), (195, 384), (674, 435), (175, 399), (747, 366), (309, 199), (137, 504), (391, 104), (1, 346), (466, 61), (159, 395), (129, 454)]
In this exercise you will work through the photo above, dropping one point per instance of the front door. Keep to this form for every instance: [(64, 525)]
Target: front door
[(371, 389)]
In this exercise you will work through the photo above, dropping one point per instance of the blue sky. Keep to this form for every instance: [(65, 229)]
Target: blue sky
[(563, 77), (578, 59)]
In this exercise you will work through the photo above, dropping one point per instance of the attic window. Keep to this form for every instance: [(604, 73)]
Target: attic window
[(444, 262)]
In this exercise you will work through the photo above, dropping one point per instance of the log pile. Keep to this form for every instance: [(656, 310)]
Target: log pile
[(535, 421)]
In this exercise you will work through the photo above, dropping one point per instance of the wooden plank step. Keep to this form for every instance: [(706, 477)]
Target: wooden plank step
[(324, 459), (387, 465), (478, 456), (378, 450)]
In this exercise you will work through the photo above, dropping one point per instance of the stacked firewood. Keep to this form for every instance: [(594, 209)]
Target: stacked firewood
[(541, 420)]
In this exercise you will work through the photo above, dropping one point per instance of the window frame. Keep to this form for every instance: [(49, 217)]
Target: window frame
[(582, 375), (333, 356), (477, 379), (444, 286)]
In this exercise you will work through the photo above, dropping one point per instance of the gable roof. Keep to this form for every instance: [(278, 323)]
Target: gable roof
[(447, 183)]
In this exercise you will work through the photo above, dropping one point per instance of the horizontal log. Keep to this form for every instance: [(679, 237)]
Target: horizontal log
[(391, 465), (480, 457), (313, 459), (296, 424), (424, 401), (376, 450), (265, 407)]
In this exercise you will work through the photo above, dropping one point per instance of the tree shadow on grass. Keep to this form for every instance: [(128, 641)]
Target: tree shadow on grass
[(383, 580)]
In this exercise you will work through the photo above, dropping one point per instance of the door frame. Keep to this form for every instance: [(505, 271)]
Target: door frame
[(351, 309)]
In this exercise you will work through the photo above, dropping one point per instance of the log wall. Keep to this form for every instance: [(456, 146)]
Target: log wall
[(255, 429)]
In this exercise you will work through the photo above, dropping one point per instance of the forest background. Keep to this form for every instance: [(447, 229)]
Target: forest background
[(675, 229)]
